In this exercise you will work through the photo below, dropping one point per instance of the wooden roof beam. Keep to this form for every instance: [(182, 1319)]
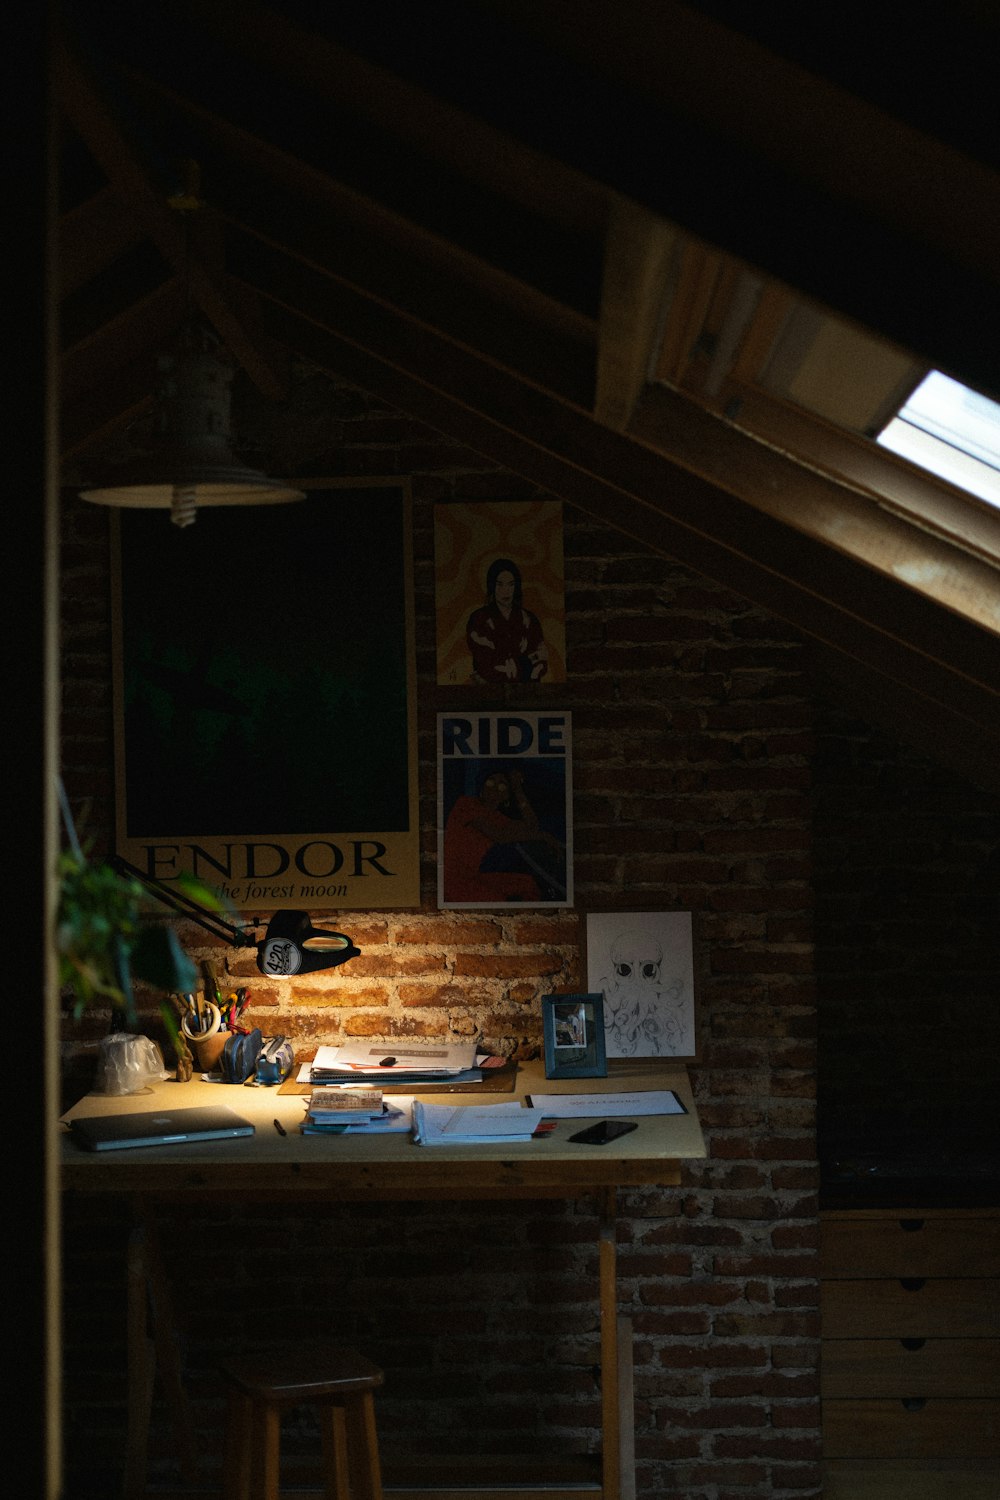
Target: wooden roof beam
[(826, 593), (469, 145), (82, 103), (819, 505), (638, 252), (92, 236), (339, 205)]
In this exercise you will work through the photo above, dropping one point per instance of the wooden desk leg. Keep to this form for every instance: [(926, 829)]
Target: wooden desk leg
[(626, 1412), (617, 1419)]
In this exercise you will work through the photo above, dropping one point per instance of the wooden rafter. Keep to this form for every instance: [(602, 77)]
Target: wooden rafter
[(636, 264), (240, 157), (498, 340), (92, 236), (816, 186), (83, 105), (468, 145), (651, 497), (819, 505)]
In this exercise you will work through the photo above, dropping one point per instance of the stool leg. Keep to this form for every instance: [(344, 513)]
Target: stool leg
[(333, 1431), (362, 1447), (269, 1434), (236, 1459)]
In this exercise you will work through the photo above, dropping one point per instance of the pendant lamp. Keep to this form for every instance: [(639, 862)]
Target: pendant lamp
[(190, 462)]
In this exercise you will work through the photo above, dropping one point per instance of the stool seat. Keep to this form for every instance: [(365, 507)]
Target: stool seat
[(305, 1375), (339, 1382)]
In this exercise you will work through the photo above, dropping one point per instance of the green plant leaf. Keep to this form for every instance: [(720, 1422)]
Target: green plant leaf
[(159, 959)]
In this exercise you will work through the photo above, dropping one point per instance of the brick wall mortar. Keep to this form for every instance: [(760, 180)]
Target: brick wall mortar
[(692, 722)]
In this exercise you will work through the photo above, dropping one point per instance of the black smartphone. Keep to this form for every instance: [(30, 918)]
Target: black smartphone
[(603, 1132)]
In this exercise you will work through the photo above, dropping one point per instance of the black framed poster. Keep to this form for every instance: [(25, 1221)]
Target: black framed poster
[(265, 714), (505, 799)]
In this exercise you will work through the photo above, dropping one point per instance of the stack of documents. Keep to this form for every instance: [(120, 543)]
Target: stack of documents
[(479, 1124), (396, 1063), (364, 1112)]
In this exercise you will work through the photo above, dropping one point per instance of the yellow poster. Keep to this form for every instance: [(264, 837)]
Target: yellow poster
[(500, 592)]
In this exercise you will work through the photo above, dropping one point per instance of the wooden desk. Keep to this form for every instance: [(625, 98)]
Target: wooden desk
[(386, 1168)]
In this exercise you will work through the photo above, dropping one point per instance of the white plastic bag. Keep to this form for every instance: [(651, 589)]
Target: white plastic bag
[(127, 1064)]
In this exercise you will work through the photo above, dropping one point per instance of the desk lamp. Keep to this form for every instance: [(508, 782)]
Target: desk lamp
[(291, 944)]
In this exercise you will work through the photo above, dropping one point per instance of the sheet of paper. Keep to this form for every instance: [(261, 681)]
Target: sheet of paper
[(568, 1106), (441, 1124)]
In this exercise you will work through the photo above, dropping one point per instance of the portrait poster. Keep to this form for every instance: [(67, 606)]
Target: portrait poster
[(643, 964), (500, 592), (265, 713), (505, 834)]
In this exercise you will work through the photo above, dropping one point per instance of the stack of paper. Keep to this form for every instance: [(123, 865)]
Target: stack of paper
[(446, 1125), (396, 1062), (335, 1112)]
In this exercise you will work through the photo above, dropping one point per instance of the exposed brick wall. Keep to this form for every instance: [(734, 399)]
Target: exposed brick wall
[(693, 721)]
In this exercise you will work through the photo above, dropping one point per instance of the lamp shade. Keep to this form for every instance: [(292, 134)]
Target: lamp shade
[(292, 945), (190, 462)]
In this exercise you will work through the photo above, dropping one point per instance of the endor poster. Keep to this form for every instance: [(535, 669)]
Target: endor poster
[(265, 733)]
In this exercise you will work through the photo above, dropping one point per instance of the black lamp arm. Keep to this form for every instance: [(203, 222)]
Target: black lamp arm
[(237, 937)]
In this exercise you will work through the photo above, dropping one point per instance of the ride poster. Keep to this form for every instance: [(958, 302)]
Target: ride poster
[(505, 831)]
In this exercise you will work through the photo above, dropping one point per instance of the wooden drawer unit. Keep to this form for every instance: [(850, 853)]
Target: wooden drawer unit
[(911, 1307), (912, 1428), (910, 1360), (909, 1479), (911, 1245), (910, 1367)]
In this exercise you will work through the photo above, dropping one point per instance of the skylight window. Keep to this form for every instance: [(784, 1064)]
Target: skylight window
[(951, 431)]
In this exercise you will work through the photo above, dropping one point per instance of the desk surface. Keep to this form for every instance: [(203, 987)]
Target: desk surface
[(371, 1167)]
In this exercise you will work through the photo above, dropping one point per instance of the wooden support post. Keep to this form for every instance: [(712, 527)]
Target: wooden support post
[(607, 1208)]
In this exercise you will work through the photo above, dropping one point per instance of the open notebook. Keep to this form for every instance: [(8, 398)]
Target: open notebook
[(160, 1127)]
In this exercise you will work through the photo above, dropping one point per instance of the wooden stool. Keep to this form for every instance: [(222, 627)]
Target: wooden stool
[(339, 1383)]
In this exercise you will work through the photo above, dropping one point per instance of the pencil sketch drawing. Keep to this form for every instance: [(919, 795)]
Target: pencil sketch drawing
[(642, 963)]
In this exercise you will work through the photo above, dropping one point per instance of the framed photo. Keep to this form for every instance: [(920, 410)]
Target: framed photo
[(265, 699), (504, 810), (573, 1026), (642, 964), (499, 593)]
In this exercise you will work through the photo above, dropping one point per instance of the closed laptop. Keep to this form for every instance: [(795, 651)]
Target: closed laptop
[(161, 1127)]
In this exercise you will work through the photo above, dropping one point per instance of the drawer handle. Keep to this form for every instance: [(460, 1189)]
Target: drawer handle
[(913, 1343), (912, 1283), (914, 1403), (910, 1226)]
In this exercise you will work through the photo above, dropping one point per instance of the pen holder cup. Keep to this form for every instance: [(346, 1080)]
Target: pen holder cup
[(208, 1049)]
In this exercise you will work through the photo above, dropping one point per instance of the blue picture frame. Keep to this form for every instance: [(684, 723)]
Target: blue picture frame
[(573, 1028)]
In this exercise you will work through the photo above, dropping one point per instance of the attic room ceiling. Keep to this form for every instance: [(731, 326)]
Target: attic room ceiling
[(655, 263)]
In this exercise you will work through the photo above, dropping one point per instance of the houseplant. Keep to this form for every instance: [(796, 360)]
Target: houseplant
[(103, 943)]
